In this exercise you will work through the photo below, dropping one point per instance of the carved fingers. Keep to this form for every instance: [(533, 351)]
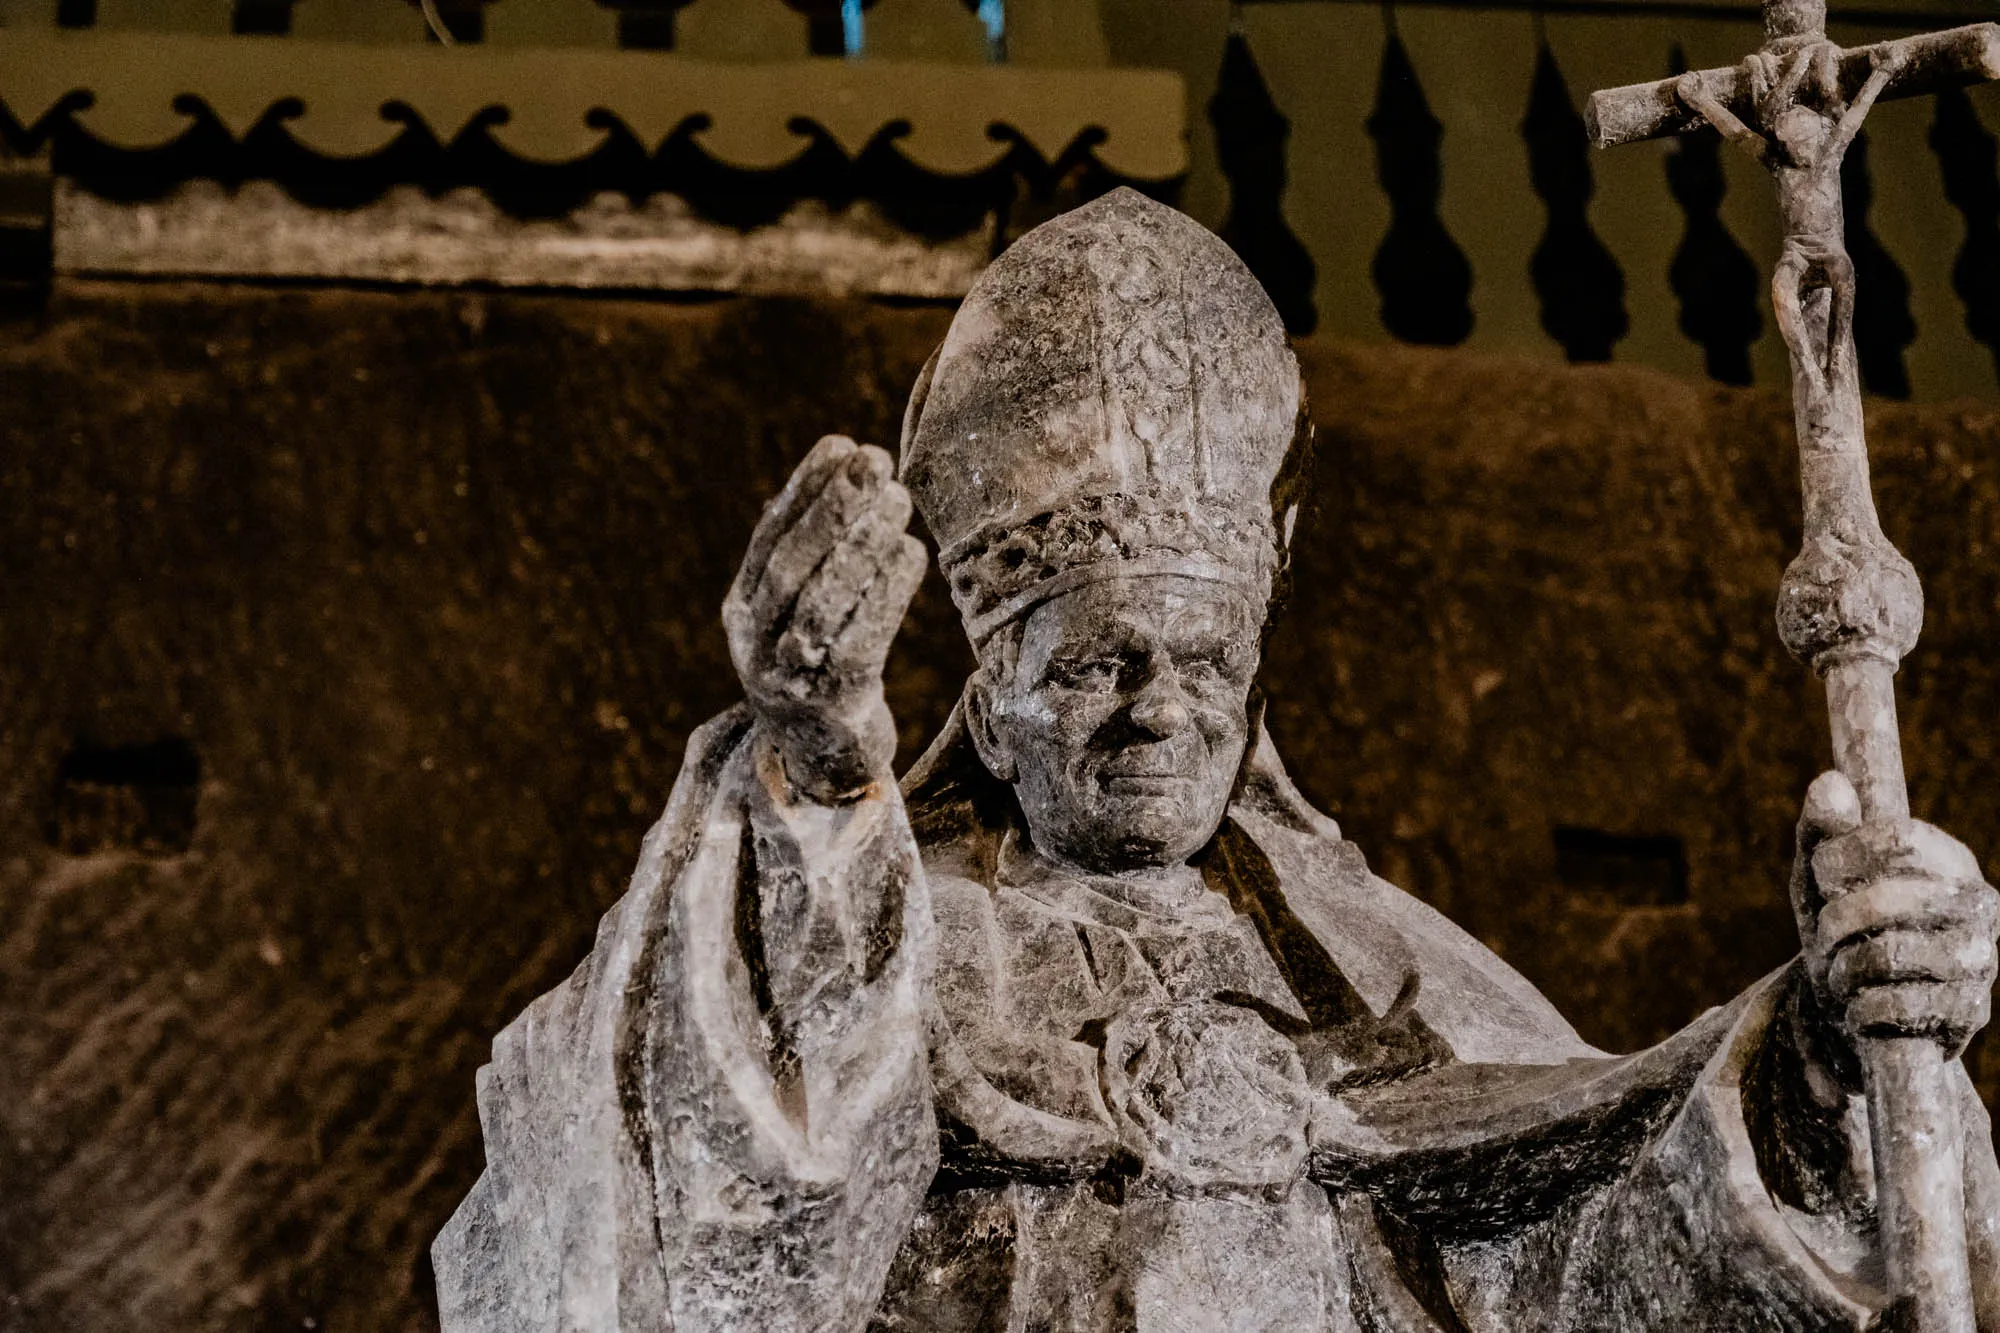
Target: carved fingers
[(815, 606), (1888, 59), (1903, 923), (837, 624), (1937, 985), (1694, 93), (862, 643), (1758, 69), (831, 545), (807, 481), (833, 488)]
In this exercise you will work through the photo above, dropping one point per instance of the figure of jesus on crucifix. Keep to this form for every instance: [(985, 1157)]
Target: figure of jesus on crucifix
[(1807, 123)]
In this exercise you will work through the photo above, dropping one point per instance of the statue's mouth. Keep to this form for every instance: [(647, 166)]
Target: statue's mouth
[(1161, 768), (1144, 784)]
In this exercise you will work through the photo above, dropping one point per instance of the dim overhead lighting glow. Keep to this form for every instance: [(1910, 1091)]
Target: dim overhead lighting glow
[(993, 14), (850, 26)]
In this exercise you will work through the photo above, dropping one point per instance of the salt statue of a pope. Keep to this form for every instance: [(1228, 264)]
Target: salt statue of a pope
[(1095, 1024)]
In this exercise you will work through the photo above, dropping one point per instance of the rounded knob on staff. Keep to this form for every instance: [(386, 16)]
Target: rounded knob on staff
[(1840, 600)]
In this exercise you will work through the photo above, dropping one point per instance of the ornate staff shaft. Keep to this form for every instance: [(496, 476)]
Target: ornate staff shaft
[(1849, 604)]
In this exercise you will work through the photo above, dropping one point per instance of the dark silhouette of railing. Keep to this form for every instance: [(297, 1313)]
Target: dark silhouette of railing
[(1422, 275), (1712, 276), (1250, 136), (1966, 153), (1581, 288)]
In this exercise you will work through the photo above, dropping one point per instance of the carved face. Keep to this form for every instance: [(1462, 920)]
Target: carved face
[(1121, 718)]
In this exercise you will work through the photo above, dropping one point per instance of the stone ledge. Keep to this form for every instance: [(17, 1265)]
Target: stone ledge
[(406, 237)]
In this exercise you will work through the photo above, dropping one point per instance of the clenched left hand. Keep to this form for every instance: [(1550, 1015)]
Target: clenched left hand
[(1898, 926)]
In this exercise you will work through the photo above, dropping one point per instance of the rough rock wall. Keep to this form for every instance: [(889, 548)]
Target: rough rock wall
[(352, 639)]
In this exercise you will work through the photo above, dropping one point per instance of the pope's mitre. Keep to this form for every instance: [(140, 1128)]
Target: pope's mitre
[(1115, 397)]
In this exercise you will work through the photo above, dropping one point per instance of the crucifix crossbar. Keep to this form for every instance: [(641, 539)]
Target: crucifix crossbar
[(1849, 604), (1930, 62)]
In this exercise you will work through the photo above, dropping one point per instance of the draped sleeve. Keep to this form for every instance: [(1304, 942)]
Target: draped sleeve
[(1695, 1236), (722, 1119), (1608, 1192)]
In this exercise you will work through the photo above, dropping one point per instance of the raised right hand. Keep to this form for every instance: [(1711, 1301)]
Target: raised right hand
[(815, 606)]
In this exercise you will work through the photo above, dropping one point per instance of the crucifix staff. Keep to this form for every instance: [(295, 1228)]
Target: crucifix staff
[(1849, 604)]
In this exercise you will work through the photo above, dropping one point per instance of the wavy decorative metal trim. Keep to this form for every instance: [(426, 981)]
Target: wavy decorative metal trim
[(753, 116)]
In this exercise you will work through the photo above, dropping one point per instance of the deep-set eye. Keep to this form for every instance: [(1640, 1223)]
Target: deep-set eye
[(1201, 670), (1093, 673), (1208, 669)]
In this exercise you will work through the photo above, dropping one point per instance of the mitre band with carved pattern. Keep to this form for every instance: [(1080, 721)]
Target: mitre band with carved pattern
[(1115, 397)]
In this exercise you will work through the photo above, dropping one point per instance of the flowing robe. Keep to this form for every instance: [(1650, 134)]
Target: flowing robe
[(863, 1069)]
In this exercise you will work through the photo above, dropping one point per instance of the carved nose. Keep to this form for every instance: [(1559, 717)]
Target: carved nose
[(1159, 711)]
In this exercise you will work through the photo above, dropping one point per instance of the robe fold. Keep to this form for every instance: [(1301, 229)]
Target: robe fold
[(885, 1068)]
